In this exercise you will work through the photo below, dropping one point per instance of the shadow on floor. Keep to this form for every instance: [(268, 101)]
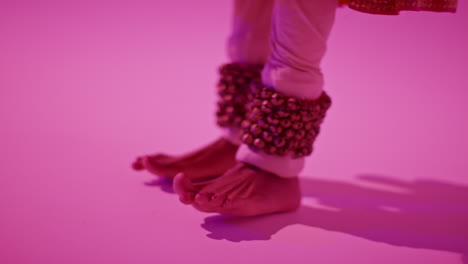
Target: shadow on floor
[(164, 184), (426, 214)]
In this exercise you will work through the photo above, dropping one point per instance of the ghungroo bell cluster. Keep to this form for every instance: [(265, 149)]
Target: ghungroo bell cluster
[(233, 88), (282, 125)]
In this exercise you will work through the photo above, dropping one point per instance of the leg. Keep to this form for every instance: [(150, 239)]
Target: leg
[(300, 30), (262, 182), (250, 35), (246, 46)]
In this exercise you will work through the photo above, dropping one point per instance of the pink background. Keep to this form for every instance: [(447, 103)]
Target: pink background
[(85, 86)]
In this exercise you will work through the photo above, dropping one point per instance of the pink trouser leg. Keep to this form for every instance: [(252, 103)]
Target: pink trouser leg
[(249, 41), (299, 33)]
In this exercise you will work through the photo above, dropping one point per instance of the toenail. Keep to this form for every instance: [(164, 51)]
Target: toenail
[(215, 197), (202, 197), (187, 195), (186, 198)]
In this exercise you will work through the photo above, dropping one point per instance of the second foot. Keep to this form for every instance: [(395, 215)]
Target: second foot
[(207, 162)]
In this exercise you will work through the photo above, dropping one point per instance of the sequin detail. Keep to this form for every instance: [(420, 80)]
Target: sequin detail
[(282, 125), (393, 7), (233, 87)]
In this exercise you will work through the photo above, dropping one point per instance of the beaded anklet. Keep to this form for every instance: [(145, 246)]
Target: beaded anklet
[(233, 88), (282, 125)]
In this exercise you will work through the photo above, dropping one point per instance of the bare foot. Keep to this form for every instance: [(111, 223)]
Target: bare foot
[(208, 162), (243, 190)]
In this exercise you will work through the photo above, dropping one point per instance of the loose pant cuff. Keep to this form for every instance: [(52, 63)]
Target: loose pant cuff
[(283, 166)]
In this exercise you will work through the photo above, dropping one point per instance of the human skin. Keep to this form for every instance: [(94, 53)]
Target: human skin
[(213, 178), (243, 190), (208, 161)]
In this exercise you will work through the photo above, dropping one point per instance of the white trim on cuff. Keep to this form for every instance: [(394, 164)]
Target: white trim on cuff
[(232, 135), (283, 166)]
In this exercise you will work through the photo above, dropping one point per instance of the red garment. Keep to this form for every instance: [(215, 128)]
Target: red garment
[(393, 7)]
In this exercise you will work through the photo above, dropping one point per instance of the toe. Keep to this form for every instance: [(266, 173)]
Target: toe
[(203, 198), (150, 163), (217, 200), (147, 164), (184, 187), (158, 168), (182, 184), (187, 198), (209, 203), (138, 164)]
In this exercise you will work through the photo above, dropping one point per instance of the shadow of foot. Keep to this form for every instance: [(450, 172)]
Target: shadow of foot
[(425, 213), (163, 183)]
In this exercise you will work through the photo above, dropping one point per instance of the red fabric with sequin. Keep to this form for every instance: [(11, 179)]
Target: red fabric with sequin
[(393, 7)]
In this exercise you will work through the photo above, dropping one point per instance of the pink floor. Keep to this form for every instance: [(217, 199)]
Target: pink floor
[(85, 86)]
